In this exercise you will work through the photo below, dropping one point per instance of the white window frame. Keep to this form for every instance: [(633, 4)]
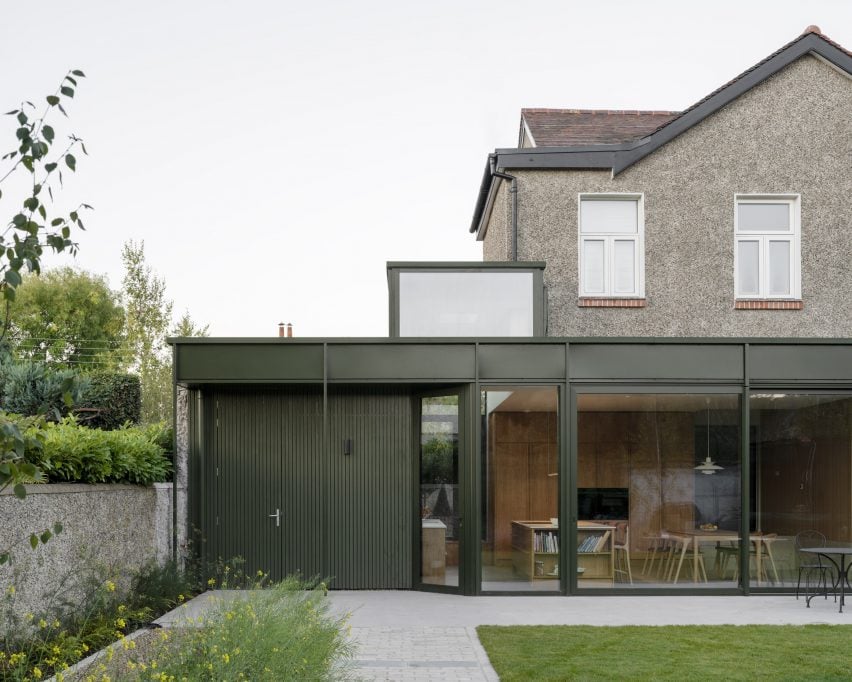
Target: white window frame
[(608, 238), (763, 237)]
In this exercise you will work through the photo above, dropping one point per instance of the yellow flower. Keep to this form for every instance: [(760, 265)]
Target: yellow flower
[(42, 623), (37, 673), (226, 658), (211, 582), (84, 646), (259, 573), (30, 616), (11, 590), (110, 586), (229, 615), (131, 665), (56, 650), (55, 623), (181, 599), (131, 644), (120, 622), (122, 608)]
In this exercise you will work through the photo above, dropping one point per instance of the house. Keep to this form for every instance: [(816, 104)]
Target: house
[(646, 385)]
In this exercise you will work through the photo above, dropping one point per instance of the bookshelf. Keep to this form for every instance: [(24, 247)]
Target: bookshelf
[(535, 541), (594, 551)]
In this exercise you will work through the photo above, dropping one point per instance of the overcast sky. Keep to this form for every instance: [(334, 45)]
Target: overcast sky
[(274, 155)]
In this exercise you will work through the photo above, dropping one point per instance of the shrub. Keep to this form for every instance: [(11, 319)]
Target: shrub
[(71, 452), (31, 388), (111, 400), (284, 632)]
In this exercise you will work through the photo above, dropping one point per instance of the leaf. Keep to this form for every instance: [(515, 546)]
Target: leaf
[(73, 216), (65, 90), (42, 212), (57, 528), (27, 161), (22, 118), (56, 221), (83, 147), (62, 109), (8, 293), (19, 220), (70, 80), (31, 203), (33, 541), (45, 536), (70, 161), (13, 277), (20, 491), (50, 167), (48, 133), (4, 558), (79, 73), (12, 113), (68, 399), (52, 100)]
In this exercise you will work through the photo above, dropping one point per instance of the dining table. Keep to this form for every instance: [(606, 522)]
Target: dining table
[(698, 535), (842, 568)]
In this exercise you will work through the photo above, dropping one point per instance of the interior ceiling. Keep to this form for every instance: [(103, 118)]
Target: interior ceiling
[(544, 399)]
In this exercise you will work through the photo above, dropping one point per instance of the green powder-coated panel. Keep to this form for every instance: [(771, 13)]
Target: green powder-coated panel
[(800, 362), (411, 362), (369, 495), (519, 361), (266, 448), (656, 362), (249, 362)]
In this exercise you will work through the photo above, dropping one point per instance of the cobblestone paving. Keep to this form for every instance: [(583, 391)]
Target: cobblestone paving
[(419, 653)]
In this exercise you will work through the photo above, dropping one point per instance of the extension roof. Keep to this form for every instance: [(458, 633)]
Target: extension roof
[(615, 140)]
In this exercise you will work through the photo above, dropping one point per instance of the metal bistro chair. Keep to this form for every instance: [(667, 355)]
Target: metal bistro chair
[(805, 539)]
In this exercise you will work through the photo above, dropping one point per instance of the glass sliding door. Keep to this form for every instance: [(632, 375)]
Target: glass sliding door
[(658, 490), (801, 481), (440, 499), (520, 540)]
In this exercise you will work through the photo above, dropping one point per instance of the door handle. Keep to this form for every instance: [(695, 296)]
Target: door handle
[(277, 517)]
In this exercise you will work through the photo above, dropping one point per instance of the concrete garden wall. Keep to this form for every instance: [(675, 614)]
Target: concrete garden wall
[(120, 526)]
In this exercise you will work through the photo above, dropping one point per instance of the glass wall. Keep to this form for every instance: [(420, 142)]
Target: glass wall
[(658, 490), (801, 480), (520, 489), (433, 304), (440, 505)]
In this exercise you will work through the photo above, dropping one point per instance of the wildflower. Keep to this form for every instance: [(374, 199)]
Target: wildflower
[(131, 644), (122, 608), (259, 573), (84, 646), (56, 650), (11, 590), (29, 617), (37, 673), (55, 623), (211, 582), (42, 623), (226, 658), (120, 622), (110, 586), (181, 599), (229, 615), (131, 665)]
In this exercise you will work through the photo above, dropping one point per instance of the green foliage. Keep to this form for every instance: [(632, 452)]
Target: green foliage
[(31, 388), (69, 317), (158, 589), (30, 229), (111, 400), (718, 652), (283, 632), (71, 452), (436, 461), (186, 327)]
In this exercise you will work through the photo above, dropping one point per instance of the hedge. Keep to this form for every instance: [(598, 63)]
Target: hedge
[(110, 400)]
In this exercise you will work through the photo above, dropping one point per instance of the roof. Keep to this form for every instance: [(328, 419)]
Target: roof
[(581, 143), (565, 127)]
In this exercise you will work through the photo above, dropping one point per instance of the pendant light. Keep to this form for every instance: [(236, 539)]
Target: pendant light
[(708, 466)]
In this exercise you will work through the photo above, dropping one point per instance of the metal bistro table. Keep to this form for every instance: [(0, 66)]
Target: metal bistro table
[(842, 568)]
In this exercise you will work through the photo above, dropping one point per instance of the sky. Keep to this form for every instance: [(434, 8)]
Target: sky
[(273, 156)]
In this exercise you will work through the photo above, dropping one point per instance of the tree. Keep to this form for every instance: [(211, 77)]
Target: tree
[(30, 230), (186, 327), (149, 314), (70, 317)]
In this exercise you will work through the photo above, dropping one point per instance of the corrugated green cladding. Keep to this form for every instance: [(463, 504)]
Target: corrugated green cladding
[(369, 491), (345, 517), (266, 446)]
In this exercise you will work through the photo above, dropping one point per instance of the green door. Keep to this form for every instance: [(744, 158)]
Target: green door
[(266, 487), (441, 463)]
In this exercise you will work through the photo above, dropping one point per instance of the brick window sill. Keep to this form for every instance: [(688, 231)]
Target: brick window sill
[(764, 304), (590, 302)]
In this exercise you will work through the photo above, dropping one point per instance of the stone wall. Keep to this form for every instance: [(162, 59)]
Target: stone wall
[(115, 526)]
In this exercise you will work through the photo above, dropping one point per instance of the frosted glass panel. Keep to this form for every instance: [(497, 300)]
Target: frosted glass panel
[(624, 271), (748, 260), (593, 266), (465, 304), (608, 216), (779, 268), (763, 217)]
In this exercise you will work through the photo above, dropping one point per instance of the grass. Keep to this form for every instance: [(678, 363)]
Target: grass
[(697, 652)]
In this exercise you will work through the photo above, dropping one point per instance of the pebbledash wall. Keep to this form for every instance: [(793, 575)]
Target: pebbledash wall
[(120, 527), (788, 135)]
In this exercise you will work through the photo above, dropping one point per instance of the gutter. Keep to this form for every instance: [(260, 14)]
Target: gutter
[(485, 203)]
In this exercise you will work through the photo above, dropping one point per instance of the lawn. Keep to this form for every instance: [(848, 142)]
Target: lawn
[(697, 652)]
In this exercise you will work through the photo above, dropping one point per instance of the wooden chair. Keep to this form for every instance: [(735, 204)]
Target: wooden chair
[(767, 558), (621, 549)]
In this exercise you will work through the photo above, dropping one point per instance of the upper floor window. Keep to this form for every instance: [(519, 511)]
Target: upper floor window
[(766, 259), (611, 247)]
